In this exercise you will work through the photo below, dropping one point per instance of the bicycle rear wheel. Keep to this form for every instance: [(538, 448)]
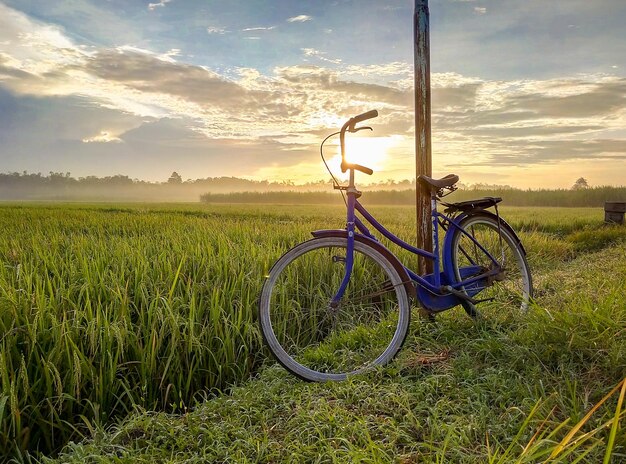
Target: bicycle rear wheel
[(318, 342), (509, 292)]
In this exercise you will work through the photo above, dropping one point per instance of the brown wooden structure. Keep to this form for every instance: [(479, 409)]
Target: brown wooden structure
[(614, 212)]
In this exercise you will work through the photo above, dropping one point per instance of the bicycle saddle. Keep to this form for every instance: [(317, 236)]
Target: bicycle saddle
[(447, 181)]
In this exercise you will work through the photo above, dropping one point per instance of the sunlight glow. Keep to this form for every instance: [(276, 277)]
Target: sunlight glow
[(102, 137), (371, 152)]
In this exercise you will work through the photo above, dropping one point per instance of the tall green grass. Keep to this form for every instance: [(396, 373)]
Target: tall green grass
[(105, 309), (546, 388)]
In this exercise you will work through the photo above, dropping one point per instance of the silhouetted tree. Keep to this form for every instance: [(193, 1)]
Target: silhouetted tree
[(580, 184), (175, 178)]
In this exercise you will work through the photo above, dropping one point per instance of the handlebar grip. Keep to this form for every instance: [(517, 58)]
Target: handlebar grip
[(363, 169), (358, 167), (362, 117)]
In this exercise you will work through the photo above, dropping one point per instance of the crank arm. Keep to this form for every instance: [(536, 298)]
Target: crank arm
[(461, 294)]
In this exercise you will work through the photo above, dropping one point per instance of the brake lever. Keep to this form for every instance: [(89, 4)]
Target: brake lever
[(360, 128)]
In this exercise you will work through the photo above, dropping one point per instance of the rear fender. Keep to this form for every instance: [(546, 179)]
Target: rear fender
[(409, 287)]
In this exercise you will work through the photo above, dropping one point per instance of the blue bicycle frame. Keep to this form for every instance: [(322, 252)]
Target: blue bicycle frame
[(433, 290), (438, 291)]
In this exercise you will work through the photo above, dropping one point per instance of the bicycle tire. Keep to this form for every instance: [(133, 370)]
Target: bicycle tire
[(316, 342), (511, 293)]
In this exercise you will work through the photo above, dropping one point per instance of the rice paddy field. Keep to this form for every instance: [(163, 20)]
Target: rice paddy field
[(133, 328)]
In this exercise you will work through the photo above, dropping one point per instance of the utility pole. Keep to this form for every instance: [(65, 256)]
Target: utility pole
[(423, 155)]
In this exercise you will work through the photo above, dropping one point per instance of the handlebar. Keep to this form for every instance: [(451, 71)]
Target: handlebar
[(363, 117), (358, 167), (350, 127)]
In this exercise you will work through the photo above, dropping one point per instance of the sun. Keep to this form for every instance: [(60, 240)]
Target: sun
[(371, 152)]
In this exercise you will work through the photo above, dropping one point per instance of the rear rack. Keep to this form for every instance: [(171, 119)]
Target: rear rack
[(471, 205)]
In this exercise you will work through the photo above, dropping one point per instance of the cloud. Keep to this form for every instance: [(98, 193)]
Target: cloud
[(536, 122), (252, 29), (146, 73), (216, 30), (102, 137), (550, 151), (42, 134), (600, 99), (89, 21), (311, 52), (155, 104), (33, 46), (206, 156), (168, 55), (395, 68), (299, 19), (154, 6)]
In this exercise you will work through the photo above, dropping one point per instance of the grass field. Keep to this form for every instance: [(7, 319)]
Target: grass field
[(110, 310)]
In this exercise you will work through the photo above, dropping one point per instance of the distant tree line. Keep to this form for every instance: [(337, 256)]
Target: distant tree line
[(588, 197), (62, 186)]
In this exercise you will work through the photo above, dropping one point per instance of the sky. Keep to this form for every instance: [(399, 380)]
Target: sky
[(527, 93)]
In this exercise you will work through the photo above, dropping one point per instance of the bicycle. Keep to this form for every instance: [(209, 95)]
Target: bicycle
[(339, 304)]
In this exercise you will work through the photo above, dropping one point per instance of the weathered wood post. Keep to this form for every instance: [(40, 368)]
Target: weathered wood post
[(423, 163)]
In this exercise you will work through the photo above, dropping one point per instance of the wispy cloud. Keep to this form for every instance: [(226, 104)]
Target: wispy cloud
[(162, 3), (249, 29), (311, 52), (299, 19), (102, 137), (170, 54), (216, 30)]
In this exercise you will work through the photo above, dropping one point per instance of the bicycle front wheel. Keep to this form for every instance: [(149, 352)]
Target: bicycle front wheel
[(318, 341), (507, 294)]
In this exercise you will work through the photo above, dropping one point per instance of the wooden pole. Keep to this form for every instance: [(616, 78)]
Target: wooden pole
[(423, 155)]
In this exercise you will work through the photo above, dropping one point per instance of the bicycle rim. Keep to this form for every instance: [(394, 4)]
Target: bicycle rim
[(318, 342), (508, 293)]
